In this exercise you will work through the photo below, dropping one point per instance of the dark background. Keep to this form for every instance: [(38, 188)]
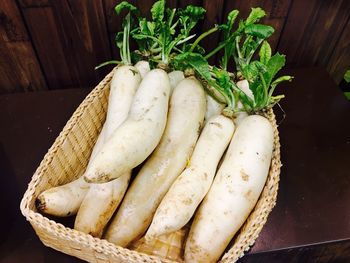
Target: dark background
[(55, 44)]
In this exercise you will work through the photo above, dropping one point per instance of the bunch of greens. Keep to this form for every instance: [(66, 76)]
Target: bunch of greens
[(165, 41), (167, 33), (347, 76), (159, 39), (240, 46), (122, 38)]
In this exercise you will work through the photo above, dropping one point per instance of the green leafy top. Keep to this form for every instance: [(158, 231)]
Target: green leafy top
[(218, 82), (255, 15), (157, 11), (168, 33), (347, 76), (164, 40), (122, 38), (124, 5), (248, 32), (241, 45)]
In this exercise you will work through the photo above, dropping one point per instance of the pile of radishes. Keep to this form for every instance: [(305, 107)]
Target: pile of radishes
[(195, 129)]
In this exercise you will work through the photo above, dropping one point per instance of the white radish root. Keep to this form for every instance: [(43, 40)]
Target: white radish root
[(244, 86), (99, 204), (102, 200), (175, 77), (234, 192), (138, 136), (186, 114), (65, 200), (189, 189), (143, 67), (213, 108), (124, 85)]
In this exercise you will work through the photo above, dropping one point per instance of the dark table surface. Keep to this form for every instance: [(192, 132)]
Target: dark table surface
[(311, 221)]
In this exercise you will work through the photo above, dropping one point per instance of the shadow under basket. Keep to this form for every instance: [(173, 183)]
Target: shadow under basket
[(67, 159)]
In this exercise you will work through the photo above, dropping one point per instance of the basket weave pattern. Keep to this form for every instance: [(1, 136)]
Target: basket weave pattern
[(67, 159)]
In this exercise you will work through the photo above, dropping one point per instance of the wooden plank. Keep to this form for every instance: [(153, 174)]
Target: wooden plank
[(312, 31), (49, 48), (83, 33), (114, 25), (212, 16), (70, 37), (11, 26), (340, 59), (145, 6), (71, 42), (172, 3), (34, 3), (97, 32), (184, 3), (19, 67)]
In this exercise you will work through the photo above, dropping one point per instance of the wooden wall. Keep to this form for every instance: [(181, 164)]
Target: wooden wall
[(55, 44)]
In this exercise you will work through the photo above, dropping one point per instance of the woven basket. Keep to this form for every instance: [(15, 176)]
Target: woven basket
[(68, 157)]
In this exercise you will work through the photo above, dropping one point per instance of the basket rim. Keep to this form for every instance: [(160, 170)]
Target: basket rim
[(245, 239)]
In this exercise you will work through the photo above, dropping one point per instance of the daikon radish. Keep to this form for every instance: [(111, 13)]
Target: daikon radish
[(213, 108), (65, 200), (244, 86), (143, 67), (189, 189), (175, 77), (102, 200), (186, 114), (234, 192), (99, 205), (139, 135)]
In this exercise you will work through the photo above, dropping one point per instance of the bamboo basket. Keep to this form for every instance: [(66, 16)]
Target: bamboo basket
[(67, 159)]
